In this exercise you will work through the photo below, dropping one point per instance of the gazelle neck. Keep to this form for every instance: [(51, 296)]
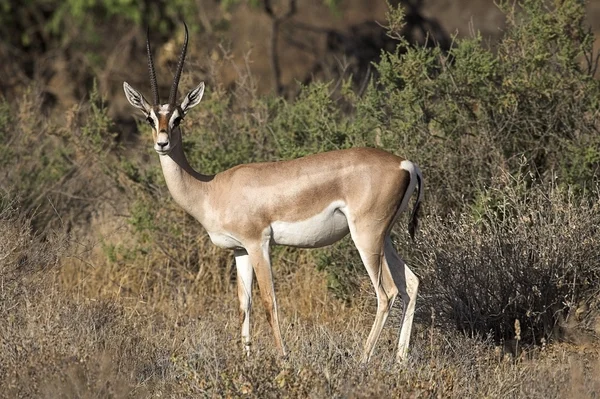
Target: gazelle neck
[(187, 187)]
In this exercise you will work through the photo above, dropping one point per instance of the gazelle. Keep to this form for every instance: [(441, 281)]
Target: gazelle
[(307, 202)]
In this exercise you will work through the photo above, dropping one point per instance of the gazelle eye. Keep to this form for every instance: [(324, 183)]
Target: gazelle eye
[(150, 121), (177, 121)]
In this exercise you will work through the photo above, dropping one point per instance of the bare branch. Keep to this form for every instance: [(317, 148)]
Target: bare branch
[(276, 21)]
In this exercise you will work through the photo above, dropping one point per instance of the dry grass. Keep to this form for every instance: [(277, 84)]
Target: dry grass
[(73, 331), (528, 253)]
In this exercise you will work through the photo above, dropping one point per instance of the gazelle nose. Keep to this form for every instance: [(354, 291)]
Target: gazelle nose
[(162, 144)]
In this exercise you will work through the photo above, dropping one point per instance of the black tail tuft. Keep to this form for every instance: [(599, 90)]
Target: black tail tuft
[(414, 221), (414, 217)]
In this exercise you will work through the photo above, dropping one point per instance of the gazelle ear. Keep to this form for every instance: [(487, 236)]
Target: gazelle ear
[(136, 99), (193, 98)]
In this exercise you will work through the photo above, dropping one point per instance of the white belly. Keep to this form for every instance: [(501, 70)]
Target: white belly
[(320, 230), (224, 240)]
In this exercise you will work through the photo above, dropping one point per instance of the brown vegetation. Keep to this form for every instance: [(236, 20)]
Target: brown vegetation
[(73, 330)]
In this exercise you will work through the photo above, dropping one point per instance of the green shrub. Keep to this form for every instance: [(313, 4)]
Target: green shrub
[(464, 114)]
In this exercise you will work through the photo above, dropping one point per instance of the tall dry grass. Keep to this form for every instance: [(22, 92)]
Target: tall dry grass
[(60, 340)]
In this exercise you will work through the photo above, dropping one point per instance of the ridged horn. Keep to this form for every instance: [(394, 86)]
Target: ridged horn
[(173, 94), (153, 83)]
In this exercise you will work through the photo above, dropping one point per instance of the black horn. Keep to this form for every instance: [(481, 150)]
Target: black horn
[(173, 94), (153, 83)]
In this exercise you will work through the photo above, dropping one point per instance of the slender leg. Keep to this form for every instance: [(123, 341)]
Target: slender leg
[(408, 284), (370, 249), (244, 283), (261, 262)]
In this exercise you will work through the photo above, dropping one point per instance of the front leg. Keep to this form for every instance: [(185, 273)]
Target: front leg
[(244, 283), (261, 262)]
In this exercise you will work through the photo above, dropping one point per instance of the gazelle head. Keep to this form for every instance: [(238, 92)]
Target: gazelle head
[(164, 119)]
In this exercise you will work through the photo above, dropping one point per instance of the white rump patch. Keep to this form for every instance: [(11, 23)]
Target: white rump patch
[(409, 167), (324, 228), (412, 170)]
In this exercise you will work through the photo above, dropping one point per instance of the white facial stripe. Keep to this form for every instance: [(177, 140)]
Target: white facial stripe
[(174, 116), (154, 118)]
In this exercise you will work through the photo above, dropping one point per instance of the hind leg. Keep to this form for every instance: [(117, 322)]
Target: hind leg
[(371, 250), (408, 285)]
